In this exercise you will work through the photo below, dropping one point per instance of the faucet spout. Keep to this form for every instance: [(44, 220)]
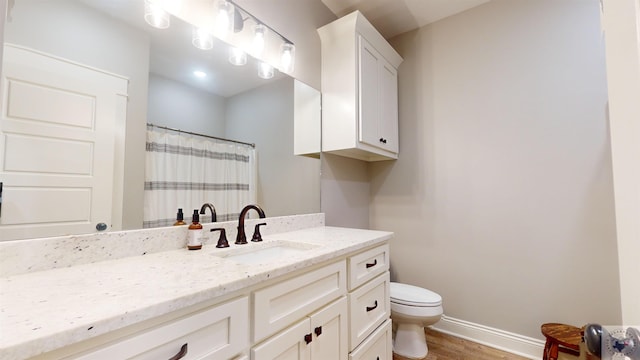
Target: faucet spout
[(241, 238), (209, 206)]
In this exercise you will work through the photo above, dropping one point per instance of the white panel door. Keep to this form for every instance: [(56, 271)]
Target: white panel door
[(56, 145)]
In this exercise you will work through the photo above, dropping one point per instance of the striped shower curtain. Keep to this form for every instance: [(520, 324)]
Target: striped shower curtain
[(186, 171)]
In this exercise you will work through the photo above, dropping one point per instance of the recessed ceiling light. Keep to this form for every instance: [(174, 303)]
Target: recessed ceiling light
[(200, 74)]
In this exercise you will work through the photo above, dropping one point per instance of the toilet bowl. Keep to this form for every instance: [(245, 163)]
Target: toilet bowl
[(412, 308)]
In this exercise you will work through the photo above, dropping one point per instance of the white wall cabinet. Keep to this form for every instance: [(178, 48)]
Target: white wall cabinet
[(359, 90)]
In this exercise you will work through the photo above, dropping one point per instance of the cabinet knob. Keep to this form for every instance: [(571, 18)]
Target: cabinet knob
[(371, 308), (318, 330), (308, 338), (374, 263), (383, 140), (181, 353)]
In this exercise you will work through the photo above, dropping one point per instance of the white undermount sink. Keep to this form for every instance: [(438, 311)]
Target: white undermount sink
[(259, 253)]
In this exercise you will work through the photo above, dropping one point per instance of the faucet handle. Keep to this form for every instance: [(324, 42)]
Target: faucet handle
[(222, 241), (256, 233)]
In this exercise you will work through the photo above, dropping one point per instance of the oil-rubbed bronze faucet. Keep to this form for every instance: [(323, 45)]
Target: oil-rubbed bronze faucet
[(241, 238), (213, 211)]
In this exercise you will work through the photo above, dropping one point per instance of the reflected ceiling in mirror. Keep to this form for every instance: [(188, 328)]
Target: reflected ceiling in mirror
[(173, 56)]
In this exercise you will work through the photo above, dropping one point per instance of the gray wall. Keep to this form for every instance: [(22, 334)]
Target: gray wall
[(287, 184), (502, 197), (77, 33), (179, 106)]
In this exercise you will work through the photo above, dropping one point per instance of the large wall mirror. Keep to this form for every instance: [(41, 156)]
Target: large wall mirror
[(230, 102)]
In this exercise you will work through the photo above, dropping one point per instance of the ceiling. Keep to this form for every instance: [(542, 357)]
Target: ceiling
[(393, 17)]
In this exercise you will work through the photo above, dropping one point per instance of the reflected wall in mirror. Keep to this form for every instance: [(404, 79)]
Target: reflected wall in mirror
[(230, 102)]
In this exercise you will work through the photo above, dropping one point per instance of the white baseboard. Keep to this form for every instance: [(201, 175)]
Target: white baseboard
[(514, 343)]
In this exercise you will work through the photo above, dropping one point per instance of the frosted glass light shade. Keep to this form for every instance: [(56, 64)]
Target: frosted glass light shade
[(259, 35), (155, 15), (265, 71), (202, 38), (224, 19), (237, 56), (287, 57)]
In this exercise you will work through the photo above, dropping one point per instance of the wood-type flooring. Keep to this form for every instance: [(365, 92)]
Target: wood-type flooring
[(447, 347)]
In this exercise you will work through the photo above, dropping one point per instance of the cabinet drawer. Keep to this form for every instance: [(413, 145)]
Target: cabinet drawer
[(219, 332), (277, 306), (369, 306), (367, 265), (377, 346)]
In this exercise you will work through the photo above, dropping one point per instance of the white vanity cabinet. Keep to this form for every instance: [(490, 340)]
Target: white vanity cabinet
[(331, 309), (359, 90)]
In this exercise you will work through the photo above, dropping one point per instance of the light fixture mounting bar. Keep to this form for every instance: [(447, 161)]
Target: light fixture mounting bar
[(260, 22)]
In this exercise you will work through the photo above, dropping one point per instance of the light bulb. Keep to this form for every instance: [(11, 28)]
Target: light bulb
[(259, 34), (202, 38), (199, 74), (155, 15), (224, 19), (287, 57), (237, 56), (265, 71)]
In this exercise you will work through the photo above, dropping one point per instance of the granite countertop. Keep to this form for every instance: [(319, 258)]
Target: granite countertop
[(45, 310)]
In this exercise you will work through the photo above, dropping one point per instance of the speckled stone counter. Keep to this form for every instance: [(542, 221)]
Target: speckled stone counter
[(44, 310)]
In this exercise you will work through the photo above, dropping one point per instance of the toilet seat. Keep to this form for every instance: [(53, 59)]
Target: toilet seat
[(410, 295)]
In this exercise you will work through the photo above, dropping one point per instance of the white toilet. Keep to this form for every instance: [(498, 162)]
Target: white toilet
[(412, 308)]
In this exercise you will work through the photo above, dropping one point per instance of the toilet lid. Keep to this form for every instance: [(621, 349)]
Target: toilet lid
[(414, 296)]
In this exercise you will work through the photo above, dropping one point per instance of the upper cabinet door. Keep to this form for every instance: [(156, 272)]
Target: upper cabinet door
[(378, 99)]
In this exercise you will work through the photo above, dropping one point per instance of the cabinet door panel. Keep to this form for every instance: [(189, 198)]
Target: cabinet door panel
[(329, 327), (388, 125), (287, 345), (369, 84)]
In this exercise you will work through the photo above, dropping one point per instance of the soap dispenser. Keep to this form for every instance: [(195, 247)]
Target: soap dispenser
[(179, 218), (195, 233)]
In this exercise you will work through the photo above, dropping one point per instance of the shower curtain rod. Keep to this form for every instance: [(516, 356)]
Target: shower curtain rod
[(203, 135)]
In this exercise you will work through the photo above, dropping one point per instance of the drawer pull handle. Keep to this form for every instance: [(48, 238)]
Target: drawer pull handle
[(374, 263), (371, 308), (308, 338), (318, 330), (181, 353)]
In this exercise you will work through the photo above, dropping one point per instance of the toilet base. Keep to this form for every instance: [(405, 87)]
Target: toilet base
[(410, 341)]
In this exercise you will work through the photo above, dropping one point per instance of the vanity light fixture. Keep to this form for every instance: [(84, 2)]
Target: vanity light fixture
[(155, 15), (237, 56), (261, 35), (265, 71), (287, 57), (202, 38)]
